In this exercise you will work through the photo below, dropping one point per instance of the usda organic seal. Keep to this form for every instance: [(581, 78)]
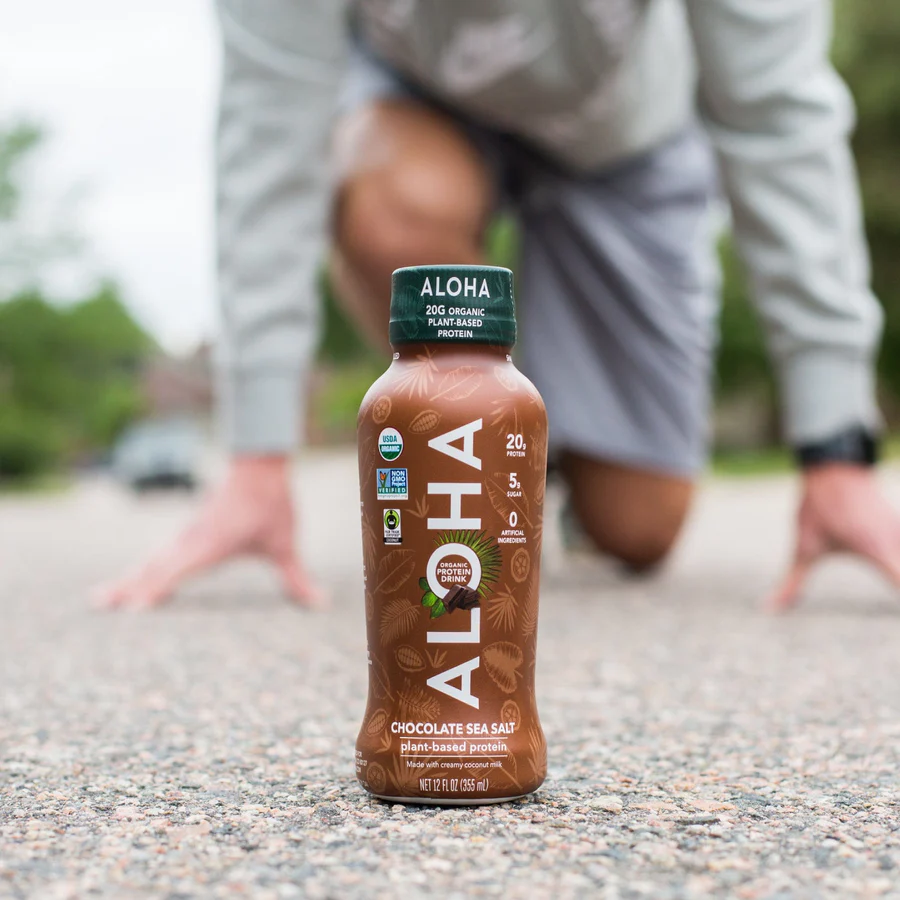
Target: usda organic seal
[(390, 444)]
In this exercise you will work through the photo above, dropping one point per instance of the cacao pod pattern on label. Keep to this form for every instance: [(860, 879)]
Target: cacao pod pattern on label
[(409, 659), (376, 778), (381, 410), (425, 421), (521, 564), (377, 722)]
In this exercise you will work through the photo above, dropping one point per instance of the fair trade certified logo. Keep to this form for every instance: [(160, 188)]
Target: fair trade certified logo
[(392, 532), (391, 484), (390, 444)]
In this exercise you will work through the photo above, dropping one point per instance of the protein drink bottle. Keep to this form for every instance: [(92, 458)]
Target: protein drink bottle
[(452, 470)]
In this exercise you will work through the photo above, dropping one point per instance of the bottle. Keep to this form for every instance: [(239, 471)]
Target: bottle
[(452, 471)]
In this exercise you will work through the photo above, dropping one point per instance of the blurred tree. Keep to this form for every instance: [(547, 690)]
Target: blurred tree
[(339, 343), (16, 143), (30, 443), (867, 45), (69, 374), (69, 379), (32, 236)]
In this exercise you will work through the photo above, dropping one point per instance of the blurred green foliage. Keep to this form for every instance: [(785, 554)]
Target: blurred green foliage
[(69, 379), (742, 364), (339, 343), (69, 374), (867, 52), (16, 144)]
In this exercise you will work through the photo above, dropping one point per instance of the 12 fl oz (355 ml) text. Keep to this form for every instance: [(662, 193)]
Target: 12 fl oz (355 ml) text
[(467, 785)]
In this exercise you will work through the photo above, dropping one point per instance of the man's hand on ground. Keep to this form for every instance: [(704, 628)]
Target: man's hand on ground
[(251, 513), (843, 510)]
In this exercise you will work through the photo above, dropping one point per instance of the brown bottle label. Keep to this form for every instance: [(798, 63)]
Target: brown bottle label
[(452, 455)]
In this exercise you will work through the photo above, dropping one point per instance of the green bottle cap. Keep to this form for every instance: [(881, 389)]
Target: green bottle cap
[(462, 304)]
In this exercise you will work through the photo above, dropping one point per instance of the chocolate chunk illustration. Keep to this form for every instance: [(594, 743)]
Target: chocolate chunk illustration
[(461, 597)]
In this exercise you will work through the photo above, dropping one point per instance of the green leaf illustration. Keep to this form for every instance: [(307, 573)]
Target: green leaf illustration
[(485, 547)]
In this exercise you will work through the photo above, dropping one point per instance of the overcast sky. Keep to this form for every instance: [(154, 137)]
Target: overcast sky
[(127, 93)]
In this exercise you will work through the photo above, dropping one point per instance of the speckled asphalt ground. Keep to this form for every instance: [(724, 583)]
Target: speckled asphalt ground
[(697, 747)]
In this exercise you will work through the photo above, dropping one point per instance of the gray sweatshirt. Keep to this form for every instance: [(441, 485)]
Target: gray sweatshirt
[(592, 82)]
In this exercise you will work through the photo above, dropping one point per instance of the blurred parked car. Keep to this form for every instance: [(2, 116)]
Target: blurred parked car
[(159, 454)]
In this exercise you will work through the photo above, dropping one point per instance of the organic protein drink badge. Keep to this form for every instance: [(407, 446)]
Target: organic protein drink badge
[(452, 464)]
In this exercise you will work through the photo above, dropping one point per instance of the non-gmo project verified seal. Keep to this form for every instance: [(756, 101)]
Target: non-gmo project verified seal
[(392, 534), (392, 484)]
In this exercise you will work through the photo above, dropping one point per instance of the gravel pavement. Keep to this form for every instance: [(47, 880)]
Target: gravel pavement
[(697, 747)]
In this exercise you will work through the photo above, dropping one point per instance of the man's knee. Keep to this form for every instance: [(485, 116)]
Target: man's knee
[(633, 515), (641, 547), (376, 225), (404, 193)]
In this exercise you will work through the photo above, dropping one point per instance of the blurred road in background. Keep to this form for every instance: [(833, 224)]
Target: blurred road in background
[(697, 747)]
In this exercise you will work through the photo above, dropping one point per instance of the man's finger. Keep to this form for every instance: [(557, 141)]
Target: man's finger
[(299, 586), (183, 560), (886, 556), (108, 596), (158, 580), (787, 595)]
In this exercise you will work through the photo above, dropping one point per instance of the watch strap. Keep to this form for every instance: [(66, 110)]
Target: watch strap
[(856, 446)]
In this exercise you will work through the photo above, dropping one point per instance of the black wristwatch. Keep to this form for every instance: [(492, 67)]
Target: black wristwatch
[(856, 446)]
